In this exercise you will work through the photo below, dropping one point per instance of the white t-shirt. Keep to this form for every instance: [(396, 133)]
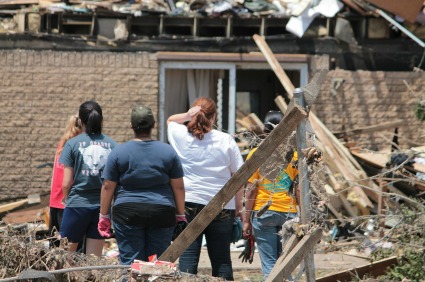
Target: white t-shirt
[(207, 164)]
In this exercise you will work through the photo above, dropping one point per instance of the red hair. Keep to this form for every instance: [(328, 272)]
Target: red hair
[(202, 122)]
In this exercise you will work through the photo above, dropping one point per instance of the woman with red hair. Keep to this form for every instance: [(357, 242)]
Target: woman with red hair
[(209, 158)]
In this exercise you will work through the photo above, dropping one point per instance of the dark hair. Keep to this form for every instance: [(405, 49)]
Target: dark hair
[(271, 120), (90, 114), (202, 122)]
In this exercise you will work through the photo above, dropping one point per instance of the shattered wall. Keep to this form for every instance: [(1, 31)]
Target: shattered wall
[(40, 89), (355, 99)]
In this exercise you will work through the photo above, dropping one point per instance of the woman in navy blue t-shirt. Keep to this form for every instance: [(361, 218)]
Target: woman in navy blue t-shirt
[(145, 179)]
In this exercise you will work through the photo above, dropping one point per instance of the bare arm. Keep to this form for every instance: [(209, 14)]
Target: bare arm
[(183, 117), (106, 194), (177, 186), (66, 182), (250, 196), (238, 202)]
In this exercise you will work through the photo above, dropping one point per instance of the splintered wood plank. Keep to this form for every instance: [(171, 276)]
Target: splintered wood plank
[(11, 206), (374, 269), (279, 135), (369, 129), (252, 123), (288, 247), (274, 64), (344, 161), (281, 104), (282, 270)]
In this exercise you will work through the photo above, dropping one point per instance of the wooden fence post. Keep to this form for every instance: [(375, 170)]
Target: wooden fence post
[(303, 181)]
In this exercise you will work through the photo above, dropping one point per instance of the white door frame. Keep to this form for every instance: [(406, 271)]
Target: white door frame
[(196, 65), (231, 67)]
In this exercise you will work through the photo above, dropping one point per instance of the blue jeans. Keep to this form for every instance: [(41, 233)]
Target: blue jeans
[(266, 229), (135, 242), (218, 235)]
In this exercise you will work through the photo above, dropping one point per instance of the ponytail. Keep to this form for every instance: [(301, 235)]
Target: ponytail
[(94, 123), (202, 122), (199, 125)]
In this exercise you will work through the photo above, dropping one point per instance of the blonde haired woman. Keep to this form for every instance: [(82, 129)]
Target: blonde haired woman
[(209, 158), (72, 129)]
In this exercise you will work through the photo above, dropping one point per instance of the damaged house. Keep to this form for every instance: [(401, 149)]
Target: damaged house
[(54, 55), (166, 53)]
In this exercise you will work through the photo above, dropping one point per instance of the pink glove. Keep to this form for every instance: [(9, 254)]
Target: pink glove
[(104, 227), (180, 218)]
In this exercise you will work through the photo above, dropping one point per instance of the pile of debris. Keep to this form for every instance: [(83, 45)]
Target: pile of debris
[(24, 256), (377, 214), (365, 206)]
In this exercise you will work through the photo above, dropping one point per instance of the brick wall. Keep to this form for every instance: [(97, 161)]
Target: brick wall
[(40, 89), (371, 98), (38, 92)]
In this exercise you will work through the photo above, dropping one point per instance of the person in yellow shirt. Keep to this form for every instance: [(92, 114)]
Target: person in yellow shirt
[(269, 200)]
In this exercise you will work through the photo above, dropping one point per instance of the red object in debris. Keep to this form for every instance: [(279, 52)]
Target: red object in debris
[(137, 265)]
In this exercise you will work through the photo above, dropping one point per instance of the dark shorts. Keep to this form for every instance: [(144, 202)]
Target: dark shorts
[(80, 222)]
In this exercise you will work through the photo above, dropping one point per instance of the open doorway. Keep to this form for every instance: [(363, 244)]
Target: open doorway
[(182, 83), (256, 90), (238, 88)]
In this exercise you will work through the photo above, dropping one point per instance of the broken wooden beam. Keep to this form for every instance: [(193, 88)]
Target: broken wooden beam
[(288, 247), (285, 267), (373, 269), (279, 135), (11, 206), (368, 129), (347, 162), (274, 64), (252, 123), (31, 199), (342, 161), (281, 103)]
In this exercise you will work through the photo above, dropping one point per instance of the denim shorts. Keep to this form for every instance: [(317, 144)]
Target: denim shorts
[(80, 222)]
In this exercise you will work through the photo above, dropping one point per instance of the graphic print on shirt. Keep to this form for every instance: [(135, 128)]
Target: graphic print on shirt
[(281, 184), (95, 157)]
